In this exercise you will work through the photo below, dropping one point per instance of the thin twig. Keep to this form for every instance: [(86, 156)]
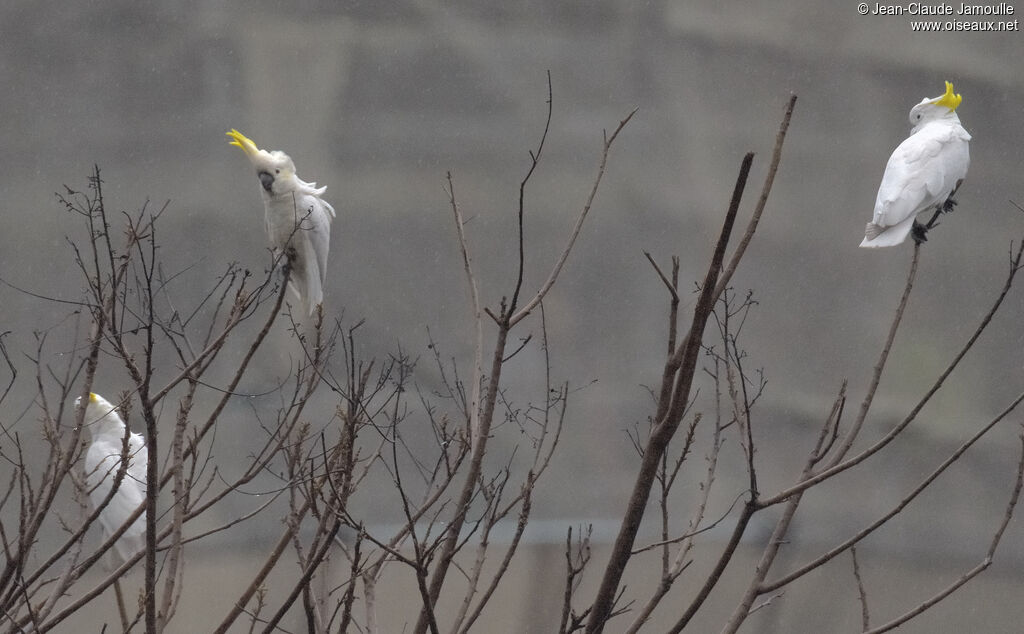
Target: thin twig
[(1015, 266), (476, 379), (769, 180), (534, 161), (546, 286), (907, 499), (865, 616), (973, 572)]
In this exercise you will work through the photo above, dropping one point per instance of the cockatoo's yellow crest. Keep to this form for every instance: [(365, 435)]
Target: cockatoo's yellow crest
[(949, 99), (244, 142)]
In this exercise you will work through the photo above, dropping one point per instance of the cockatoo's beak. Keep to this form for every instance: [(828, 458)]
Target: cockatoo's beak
[(267, 180), (243, 142), (950, 100)]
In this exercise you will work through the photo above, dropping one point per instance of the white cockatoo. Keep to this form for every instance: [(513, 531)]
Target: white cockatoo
[(923, 173), (298, 220), (102, 461)]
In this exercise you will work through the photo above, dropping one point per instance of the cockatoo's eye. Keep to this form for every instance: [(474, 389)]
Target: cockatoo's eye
[(277, 171)]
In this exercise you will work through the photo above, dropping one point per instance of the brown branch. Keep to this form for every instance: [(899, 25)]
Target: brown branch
[(541, 460), (907, 499), (757, 586), (766, 189), (680, 563), (973, 572), (671, 287), (261, 575), (534, 161), (32, 520), (476, 378), (530, 305), (876, 375), (235, 379), (350, 592), (1015, 266), (723, 560), (768, 555), (675, 394), (506, 321), (865, 616), (540, 464), (176, 563), (307, 576), (573, 571)]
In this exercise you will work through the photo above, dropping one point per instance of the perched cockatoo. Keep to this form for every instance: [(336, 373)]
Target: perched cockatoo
[(923, 173), (298, 221), (102, 461)]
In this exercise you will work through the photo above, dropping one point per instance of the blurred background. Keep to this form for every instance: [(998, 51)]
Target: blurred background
[(378, 100)]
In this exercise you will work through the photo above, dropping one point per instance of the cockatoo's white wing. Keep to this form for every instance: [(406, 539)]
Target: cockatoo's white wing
[(138, 460), (319, 240), (311, 241), (921, 173), (101, 464)]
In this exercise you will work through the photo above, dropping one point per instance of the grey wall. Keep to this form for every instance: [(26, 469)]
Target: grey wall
[(378, 100)]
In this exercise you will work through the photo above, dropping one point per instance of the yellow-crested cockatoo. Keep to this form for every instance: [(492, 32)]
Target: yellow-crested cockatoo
[(298, 220), (103, 459), (923, 173)]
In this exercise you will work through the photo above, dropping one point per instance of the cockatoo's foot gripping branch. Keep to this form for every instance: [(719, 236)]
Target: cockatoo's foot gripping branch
[(919, 231)]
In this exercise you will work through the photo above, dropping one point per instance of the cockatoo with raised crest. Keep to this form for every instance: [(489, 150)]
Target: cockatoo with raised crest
[(298, 220), (103, 459), (923, 173)]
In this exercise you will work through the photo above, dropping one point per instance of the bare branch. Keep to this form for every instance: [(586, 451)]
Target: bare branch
[(865, 616), (898, 429), (766, 189), (675, 392), (476, 378), (907, 499), (534, 161), (973, 572), (553, 276)]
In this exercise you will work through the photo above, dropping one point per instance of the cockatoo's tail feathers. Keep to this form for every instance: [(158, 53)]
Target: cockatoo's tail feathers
[(872, 230), (243, 142), (950, 99)]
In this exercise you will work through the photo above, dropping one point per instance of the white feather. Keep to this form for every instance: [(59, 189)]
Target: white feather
[(922, 173), (302, 220), (102, 461), (296, 219)]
